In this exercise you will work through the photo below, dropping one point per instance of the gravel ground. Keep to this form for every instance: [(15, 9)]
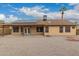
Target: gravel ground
[(38, 46)]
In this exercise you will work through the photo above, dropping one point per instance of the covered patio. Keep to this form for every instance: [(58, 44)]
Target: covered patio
[(30, 30)]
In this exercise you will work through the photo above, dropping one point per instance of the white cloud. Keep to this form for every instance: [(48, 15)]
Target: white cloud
[(54, 15), (73, 4), (2, 16), (9, 5), (10, 18), (77, 7), (69, 14), (37, 11)]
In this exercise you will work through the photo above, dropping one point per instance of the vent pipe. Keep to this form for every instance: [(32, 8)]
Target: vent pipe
[(44, 17)]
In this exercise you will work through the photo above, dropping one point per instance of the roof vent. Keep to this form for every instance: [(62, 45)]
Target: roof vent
[(44, 17)]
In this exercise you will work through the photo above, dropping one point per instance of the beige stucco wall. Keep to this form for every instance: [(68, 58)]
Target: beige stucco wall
[(54, 30), (34, 32), (6, 30)]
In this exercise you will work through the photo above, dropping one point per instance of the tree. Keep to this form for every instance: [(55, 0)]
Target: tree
[(62, 9), (1, 21)]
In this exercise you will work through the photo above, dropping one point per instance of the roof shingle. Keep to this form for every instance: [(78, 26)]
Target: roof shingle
[(48, 22)]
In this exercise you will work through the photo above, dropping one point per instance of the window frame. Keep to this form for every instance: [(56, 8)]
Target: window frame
[(67, 28), (15, 29), (73, 27), (39, 29), (46, 29), (61, 29)]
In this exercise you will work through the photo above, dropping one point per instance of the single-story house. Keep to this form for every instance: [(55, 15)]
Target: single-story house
[(40, 27)]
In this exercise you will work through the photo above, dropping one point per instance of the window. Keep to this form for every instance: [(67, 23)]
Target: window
[(61, 29), (15, 29), (47, 29), (28, 30), (73, 27), (25, 30), (39, 29), (67, 28)]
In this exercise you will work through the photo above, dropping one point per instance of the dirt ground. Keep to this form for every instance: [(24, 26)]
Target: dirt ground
[(37, 46)]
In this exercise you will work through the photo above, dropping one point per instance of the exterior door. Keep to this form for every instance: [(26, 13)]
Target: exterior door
[(26, 31)]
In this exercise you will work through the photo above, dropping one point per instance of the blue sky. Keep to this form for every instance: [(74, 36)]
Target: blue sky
[(31, 11)]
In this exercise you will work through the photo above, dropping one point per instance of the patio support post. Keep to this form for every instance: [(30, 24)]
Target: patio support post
[(23, 30), (27, 31), (44, 30), (19, 29), (64, 29), (11, 29)]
